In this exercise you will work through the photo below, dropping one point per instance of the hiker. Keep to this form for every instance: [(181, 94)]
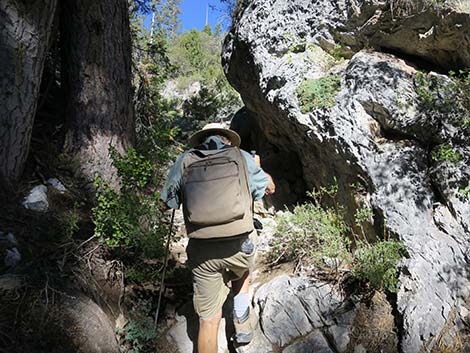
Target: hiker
[(217, 182)]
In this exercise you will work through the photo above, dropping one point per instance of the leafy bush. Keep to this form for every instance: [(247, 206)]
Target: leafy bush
[(130, 217), (318, 93), (310, 232), (377, 263)]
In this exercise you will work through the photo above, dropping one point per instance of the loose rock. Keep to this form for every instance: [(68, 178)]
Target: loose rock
[(37, 199), (56, 184), (12, 257)]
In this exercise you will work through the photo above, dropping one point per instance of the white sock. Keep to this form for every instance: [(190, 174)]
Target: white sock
[(240, 306)]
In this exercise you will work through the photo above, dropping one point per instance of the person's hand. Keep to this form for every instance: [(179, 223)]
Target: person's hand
[(257, 160), (271, 189)]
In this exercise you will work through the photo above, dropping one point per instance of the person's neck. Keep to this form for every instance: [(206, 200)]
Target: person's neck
[(212, 143)]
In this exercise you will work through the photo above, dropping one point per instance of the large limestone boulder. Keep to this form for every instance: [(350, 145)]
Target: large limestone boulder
[(378, 139)]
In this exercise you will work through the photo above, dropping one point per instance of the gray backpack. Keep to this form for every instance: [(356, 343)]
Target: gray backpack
[(215, 193)]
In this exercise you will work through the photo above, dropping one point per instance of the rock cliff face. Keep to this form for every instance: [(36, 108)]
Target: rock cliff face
[(395, 140)]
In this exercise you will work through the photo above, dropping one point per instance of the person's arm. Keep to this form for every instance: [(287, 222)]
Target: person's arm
[(171, 191), (271, 188), (259, 180)]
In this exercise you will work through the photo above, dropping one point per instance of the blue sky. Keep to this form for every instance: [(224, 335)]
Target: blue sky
[(193, 14)]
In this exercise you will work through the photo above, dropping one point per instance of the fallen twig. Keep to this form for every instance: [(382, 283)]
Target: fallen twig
[(86, 241)]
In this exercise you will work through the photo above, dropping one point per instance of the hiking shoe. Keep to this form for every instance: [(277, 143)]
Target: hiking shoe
[(243, 328)]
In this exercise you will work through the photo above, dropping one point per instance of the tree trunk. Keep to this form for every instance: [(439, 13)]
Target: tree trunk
[(97, 78), (25, 30)]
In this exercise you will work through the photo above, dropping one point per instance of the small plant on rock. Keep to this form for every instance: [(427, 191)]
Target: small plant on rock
[(465, 192), (319, 93), (446, 154)]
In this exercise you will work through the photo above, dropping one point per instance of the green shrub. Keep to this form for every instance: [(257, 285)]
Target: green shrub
[(377, 263), (310, 233), (316, 235), (319, 93), (130, 217)]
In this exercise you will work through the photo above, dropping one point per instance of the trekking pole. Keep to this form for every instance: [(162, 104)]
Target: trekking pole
[(162, 283)]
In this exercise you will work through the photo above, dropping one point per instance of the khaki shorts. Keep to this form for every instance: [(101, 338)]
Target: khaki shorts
[(213, 264)]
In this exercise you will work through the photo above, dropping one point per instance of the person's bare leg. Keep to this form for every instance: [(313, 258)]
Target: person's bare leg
[(241, 285), (208, 334)]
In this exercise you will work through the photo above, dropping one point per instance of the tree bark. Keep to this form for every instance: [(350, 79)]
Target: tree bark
[(97, 78), (25, 30)]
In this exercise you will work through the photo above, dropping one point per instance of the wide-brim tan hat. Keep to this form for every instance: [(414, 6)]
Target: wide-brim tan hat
[(214, 129)]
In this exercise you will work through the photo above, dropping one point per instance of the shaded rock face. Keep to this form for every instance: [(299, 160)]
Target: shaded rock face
[(282, 163), (377, 140)]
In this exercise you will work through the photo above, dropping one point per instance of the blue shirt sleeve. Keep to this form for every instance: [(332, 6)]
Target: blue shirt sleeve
[(258, 179), (171, 192)]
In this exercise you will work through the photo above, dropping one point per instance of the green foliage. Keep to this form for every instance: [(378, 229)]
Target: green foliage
[(73, 220), (377, 263), (465, 191), (446, 153), (424, 88), (319, 93), (310, 232), (133, 169), (450, 97), (336, 53), (362, 215), (142, 274), (139, 334), (130, 217), (313, 234), (196, 57), (330, 191)]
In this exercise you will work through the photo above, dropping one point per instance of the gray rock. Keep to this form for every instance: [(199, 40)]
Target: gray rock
[(375, 136), (360, 349), (12, 257), (293, 307), (9, 238), (37, 199), (314, 342), (85, 326), (56, 184)]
